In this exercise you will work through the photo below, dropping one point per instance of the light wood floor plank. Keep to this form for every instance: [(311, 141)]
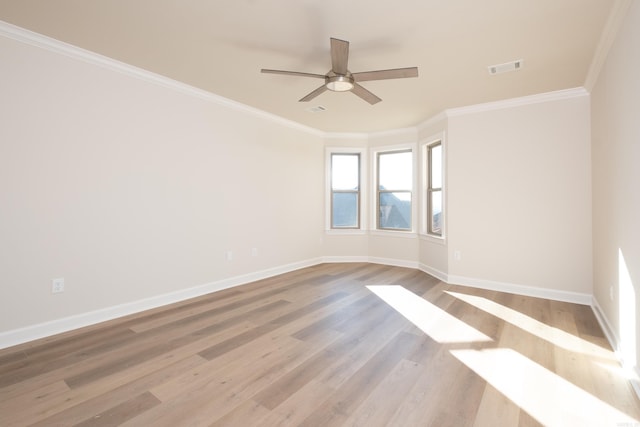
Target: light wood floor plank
[(347, 398), (298, 406), (46, 408), (122, 412), (392, 390), (104, 402), (314, 347)]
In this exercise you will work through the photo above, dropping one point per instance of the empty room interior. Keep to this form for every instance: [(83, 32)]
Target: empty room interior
[(265, 213)]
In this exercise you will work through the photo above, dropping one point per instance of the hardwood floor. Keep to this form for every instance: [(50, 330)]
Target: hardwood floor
[(334, 344)]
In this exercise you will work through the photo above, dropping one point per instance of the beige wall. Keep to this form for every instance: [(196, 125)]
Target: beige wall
[(130, 190), (519, 195), (518, 206), (615, 107)]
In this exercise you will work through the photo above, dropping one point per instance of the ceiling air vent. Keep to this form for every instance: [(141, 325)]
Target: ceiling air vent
[(317, 109), (506, 67)]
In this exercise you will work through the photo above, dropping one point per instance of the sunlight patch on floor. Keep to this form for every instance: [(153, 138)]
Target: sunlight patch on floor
[(626, 313), (547, 397), (555, 336), (614, 368), (433, 321)]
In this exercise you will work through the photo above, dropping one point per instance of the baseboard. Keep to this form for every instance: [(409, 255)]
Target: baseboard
[(394, 262), (345, 259), (551, 294), (434, 272), (530, 291), (30, 333), (373, 260), (633, 372), (609, 332)]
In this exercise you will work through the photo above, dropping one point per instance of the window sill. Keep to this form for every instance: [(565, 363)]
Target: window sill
[(391, 233), (346, 232)]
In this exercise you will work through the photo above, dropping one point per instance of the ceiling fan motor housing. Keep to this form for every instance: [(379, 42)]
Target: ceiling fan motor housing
[(340, 79), (338, 82)]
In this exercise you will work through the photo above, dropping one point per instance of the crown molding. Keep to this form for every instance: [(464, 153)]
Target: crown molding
[(506, 103), (346, 135), (432, 121), (518, 102), (38, 40), (411, 131), (608, 36), (25, 36)]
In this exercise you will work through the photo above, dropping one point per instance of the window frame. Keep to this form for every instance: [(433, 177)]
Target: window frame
[(428, 189), (375, 179), (362, 190), (357, 192)]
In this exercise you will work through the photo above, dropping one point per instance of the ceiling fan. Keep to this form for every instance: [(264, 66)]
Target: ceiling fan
[(340, 79)]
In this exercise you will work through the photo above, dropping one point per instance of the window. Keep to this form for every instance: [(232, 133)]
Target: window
[(434, 194), (394, 190), (345, 190)]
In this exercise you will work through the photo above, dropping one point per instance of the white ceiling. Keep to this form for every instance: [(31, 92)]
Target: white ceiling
[(221, 45)]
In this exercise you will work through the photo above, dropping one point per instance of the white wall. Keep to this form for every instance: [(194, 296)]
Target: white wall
[(129, 189), (615, 103), (519, 196)]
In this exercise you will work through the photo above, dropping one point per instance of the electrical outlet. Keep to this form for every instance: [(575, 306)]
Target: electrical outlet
[(57, 285), (457, 255), (229, 255), (254, 251)]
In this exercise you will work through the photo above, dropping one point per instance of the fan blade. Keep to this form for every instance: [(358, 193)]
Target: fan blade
[(397, 73), (339, 56), (313, 94), (292, 73), (365, 94)]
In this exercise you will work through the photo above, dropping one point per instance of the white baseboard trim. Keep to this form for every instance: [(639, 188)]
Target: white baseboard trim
[(373, 260), (434, 272), (609, 332), (394, 262), (530, 291), (345, 259), (551, 294), (30, 333), (633, 372)]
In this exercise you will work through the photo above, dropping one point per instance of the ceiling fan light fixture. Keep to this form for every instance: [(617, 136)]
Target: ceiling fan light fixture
[(340, 79), (340, 83)]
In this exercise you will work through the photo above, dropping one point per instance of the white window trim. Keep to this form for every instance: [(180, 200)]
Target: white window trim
[(363, 208), (373, 179), (424, 179)]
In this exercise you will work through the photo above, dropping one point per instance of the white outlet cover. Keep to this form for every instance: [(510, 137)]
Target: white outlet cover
[(57, 285)]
